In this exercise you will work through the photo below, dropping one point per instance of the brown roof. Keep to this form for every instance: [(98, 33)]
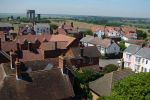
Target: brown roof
[(30, 56), (43, 85), (102, 42), (90, 51), (103, 86), (7, 46)]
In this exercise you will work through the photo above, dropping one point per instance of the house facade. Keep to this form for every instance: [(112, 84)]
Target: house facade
[(137, 58), (42, 29), (105, 46)]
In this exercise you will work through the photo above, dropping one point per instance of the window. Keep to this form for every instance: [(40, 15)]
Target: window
[(143, 61), (145, 70), (138, 59), (146, 61)]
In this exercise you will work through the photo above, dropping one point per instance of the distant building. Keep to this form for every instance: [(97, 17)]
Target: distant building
[(38, 16), (31, 15), (6, 27), (42, 29)]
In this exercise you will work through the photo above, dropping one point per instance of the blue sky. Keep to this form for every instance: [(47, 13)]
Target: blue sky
[(123, 8)]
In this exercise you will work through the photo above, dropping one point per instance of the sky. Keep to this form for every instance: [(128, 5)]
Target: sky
[(116, 8)]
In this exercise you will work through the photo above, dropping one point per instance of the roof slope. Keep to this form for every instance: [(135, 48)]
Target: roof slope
[(91, 51), (102, 42), (103, 86), (144, 52), (45, 85), (88, 38), (132, 49)]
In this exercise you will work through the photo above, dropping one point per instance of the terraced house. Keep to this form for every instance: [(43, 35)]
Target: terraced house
[(137, 58)]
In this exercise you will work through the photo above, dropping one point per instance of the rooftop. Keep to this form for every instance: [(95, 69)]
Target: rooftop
[(42, 86)]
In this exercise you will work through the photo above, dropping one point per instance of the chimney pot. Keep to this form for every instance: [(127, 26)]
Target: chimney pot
[(18, 69)]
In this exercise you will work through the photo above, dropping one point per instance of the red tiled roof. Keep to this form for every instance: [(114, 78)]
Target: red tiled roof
[(30, 56), (7, 46)]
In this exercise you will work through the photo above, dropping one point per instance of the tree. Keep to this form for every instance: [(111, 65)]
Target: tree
[(149, 31), (141, 34), (88, 32), (53, 26), (122, 46), (134, 87), (109, 68)]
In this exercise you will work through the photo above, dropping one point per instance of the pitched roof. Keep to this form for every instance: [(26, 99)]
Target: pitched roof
[(30, 56), (5, 25), (137, 42), (7, 46), (144, 52), (44, 85), (90, 51), (102, 42), (103, 86), (132, 49), (88, 38)]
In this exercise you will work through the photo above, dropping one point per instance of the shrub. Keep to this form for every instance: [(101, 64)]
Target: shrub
[(109, 68)]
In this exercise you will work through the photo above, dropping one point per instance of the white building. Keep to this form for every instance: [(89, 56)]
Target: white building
[(137, 58), (105, 46), (41, 28)]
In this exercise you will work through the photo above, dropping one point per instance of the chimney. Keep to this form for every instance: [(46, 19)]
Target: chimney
[(62, 63), (5, 34), (30, 46), (0, 44), (18, 69), (18, 46), (72, 24), (12, 59), (56, 45), (81, 51)]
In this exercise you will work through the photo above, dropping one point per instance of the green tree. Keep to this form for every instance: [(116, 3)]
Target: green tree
[(141, 34), (109, 68), (134, 87), (149, 31), (88, 32), (122, 46), (53, 26)]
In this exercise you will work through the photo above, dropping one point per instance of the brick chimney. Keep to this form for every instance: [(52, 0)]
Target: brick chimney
[(62, 63), (56, 45), (12, 59), (0, 44), (18, 69), (30, 46), (72, 24), (81, 51)]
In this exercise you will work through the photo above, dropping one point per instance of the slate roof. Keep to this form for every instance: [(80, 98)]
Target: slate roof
[(144, 52), (103, 86), (132, 49), (44, 85)]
